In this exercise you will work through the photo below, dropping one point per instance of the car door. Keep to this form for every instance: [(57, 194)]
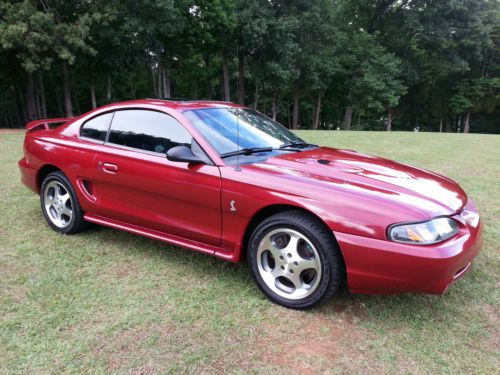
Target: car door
[(136, 184)]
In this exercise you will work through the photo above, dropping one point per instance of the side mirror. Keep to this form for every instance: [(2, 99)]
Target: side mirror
[(183, 154)]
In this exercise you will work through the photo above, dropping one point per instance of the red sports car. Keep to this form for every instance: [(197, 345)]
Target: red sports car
[(228, 181)]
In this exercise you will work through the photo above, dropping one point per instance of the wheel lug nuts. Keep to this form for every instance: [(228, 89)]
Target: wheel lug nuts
[(289, 255), (282, 267), (291, 271), (295, 264), (281, 257)]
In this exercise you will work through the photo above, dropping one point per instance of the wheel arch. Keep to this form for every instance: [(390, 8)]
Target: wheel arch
[(270, 210), (43, 172)]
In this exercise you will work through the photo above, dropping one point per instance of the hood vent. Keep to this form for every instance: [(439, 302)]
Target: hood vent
[(324, 161)]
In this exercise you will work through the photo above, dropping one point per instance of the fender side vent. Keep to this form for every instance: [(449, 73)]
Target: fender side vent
[(87, 185), (324, 161), (87, 188)]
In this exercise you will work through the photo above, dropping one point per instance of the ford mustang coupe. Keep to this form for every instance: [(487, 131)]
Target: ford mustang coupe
[(225, 180)]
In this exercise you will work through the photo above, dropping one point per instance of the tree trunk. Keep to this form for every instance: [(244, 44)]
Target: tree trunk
[(467, 123), (256, 95), (317, 112), (22, 105), (38, 101), (154, 82), (440, 124), (6, 122), (225, 76), (10, 117), (348, 118), (313, 117), (221, 86), (16, 106), (241, 79), (67, 90), (195, 89), (43, 101), (77, 104), (92, 94), (160, 82), (60, 105), (109, 89), (273, 106), (166, 83), (447, 125), (390, 116), (288, 115), (210, 86), (5, 118), (295, 115), (30, 98)]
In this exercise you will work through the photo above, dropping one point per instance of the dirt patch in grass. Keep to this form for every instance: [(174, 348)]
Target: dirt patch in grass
[(493, 327), (318, 342), (129, 269), (143, 370)]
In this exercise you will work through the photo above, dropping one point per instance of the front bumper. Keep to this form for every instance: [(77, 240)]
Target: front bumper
[(385, 267)]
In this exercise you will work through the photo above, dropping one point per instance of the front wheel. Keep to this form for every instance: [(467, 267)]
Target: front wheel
[(294, 260)]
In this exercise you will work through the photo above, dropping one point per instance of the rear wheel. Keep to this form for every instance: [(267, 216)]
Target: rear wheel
[(295, 260), (60, 205)]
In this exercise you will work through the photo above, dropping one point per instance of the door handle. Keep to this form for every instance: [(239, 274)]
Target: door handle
[(109, 168)]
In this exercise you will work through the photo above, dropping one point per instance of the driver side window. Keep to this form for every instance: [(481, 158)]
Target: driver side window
[(147, 130)]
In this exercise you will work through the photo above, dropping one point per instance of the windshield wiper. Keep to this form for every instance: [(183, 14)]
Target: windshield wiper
[(246, 151), (254, 150), (297, 144)]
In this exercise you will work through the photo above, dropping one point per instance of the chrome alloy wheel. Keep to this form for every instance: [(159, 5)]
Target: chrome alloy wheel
[(58, 204), (288, 263)]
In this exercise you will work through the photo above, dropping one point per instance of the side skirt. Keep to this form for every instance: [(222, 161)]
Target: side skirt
[(231, 256)]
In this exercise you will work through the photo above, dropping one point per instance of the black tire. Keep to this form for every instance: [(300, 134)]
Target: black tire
[(327, 255), (73, 224)]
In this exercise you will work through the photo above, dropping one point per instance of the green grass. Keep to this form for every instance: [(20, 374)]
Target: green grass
[(106, 301)]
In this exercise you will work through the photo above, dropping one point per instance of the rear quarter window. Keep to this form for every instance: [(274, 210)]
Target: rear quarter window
[(97, 127)]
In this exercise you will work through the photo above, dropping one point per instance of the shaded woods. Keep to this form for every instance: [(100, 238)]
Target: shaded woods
[(350, 64)]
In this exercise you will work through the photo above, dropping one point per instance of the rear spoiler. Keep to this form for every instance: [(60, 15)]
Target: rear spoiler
[(45, 123)]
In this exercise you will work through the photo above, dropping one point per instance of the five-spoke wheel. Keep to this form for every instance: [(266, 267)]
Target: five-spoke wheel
[(289, 263), (60, 204), (295, 260)]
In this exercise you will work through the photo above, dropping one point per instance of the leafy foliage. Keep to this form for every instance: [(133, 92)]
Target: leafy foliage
[(319, 63)]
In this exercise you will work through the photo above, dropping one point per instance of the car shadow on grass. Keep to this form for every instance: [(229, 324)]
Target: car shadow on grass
[(389, 309), (392, 309), (171, 255)]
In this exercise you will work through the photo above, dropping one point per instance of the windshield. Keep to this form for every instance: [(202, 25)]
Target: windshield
[(232, 129)]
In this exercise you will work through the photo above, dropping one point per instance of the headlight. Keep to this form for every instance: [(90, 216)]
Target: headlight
[(426, 233)]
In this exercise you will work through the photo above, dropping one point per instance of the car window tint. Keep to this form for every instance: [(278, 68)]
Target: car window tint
[(147, 130), (97, 127)]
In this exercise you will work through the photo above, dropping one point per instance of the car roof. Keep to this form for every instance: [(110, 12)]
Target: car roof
[(181, 105)]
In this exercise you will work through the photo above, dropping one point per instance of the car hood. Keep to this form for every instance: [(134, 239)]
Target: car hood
[(364, 174)]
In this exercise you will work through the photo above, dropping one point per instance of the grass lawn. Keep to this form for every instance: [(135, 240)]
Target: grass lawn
[(106, 301)]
